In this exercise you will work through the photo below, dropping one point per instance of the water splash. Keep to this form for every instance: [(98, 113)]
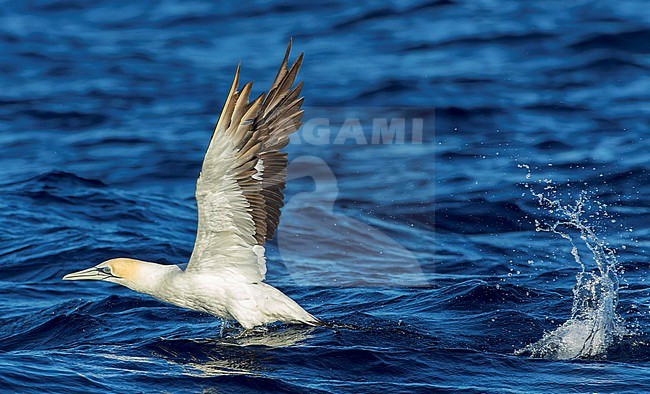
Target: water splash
[(594, 324)]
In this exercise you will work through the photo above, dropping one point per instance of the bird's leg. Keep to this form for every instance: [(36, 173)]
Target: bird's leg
[(244, 333), (259, 330)]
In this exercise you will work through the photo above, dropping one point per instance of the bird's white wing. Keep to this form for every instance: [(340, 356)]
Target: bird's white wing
[(239, 191)]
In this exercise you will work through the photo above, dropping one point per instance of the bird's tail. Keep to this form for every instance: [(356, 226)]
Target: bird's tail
[(312, 320)]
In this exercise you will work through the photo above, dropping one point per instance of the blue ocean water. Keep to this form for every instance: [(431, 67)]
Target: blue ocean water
[(435, 256)]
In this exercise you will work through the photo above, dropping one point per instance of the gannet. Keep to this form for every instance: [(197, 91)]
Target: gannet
[(239, 196)]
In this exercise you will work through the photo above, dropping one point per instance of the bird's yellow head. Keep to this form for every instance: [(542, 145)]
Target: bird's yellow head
[(114, 270)]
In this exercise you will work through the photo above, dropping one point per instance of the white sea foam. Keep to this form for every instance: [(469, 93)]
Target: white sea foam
[(594, 324)]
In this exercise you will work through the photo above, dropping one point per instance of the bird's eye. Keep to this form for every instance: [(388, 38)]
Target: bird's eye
[(106, 270)]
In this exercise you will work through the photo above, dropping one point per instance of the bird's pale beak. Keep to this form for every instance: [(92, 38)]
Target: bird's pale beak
[(92, 273)]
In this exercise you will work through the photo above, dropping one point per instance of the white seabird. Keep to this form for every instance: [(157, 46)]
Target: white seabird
[(239, 196)]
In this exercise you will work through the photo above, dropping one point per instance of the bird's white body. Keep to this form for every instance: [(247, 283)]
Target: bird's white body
[(227, 295), (239, 194)]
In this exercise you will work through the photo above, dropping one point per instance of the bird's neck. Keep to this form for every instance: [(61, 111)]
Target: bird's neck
[(152, 278)]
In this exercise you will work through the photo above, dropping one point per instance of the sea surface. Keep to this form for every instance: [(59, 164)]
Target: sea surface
[(491, 236)]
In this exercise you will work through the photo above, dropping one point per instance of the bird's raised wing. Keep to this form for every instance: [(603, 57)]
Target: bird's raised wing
[(239, 191)]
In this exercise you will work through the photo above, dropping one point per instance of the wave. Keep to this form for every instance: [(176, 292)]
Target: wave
[(631, 41), (64, 120)]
